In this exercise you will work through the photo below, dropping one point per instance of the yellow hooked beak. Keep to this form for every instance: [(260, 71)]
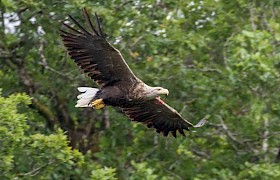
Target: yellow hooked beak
[(163, 92)]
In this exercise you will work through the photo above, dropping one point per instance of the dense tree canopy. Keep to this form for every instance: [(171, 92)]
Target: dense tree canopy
[(220, 60)]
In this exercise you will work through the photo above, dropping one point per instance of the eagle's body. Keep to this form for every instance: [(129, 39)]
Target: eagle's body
[(118, 86)]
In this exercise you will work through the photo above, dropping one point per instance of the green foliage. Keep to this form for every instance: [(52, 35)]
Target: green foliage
[(264, 171), (219, 59), (142, 171), (27, 155), (12, 127), (103, 174)]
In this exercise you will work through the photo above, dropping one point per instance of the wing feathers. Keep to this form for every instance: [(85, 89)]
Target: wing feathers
[(81, 27), (89, 22), (94, 55), (65, 34), (98, 25), (181, 131), (105, 65), (174, 133), (200, 123), (72, 29), (159, 116)]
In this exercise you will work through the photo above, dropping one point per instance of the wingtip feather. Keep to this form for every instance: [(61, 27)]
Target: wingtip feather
[(100, 33), (200, 123), (89, 21), (174, 133)]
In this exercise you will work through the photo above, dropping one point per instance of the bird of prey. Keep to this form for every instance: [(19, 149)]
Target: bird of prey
[(118, 86)]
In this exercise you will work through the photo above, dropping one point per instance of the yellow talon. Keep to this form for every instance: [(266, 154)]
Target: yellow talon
[(98, 104)]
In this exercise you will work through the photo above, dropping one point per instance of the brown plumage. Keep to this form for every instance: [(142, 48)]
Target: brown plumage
[(118, 85)]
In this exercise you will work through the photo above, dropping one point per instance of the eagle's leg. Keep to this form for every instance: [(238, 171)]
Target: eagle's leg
[(98, 104)]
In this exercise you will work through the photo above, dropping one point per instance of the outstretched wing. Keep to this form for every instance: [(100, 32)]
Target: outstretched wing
[(157, 114), (94, 55)]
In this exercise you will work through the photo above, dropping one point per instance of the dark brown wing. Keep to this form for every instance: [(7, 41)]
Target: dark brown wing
[(157, 114), (94, 55)]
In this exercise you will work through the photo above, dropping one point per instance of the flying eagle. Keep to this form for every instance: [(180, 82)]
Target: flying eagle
[(118, 86)]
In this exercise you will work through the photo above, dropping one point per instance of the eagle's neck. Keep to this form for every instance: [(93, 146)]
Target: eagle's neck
[(143, 91)]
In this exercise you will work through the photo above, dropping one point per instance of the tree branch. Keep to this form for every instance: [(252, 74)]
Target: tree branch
[(277, 159), (35, 171), (233, 138), (43, 61), (45, 112)]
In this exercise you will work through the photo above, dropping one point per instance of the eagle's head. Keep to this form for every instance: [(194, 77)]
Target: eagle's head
[(157, 91)]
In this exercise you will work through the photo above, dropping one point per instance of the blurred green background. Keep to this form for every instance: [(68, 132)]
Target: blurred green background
[(219, 59)]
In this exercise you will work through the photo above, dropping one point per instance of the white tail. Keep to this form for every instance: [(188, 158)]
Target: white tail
[(87, 94)]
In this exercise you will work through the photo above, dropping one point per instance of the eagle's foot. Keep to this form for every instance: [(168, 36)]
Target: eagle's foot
[(98, 104)]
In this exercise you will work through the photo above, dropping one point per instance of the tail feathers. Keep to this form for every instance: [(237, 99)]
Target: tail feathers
[(87, 94)]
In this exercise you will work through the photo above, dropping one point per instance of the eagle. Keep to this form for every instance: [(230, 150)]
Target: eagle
[(118, 86)]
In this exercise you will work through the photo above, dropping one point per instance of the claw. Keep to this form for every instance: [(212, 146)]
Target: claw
[(98, 104)]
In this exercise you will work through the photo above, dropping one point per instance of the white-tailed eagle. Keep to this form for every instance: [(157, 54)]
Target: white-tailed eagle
[(118, 86)]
